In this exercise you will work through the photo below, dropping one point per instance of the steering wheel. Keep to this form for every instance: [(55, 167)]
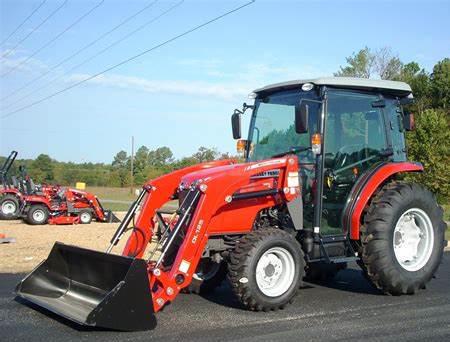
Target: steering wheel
[(343, 155)]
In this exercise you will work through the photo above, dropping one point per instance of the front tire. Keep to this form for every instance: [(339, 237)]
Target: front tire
[(9, 207), (266, 269), (37, 214), (208, 276), (402, 238)]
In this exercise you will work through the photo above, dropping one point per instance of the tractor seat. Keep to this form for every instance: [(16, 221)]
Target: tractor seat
[(15, 182)]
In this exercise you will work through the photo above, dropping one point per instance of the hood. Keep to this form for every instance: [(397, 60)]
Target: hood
[(231, 171)]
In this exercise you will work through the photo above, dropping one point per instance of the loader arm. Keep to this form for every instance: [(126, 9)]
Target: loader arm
[(159, 191)]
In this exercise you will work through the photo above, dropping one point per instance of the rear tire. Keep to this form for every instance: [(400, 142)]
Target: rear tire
[(9, 207), (266, 269), (402, 238), (37, 214)]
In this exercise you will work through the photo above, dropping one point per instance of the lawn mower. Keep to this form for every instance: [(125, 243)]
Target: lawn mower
[(321, 186)]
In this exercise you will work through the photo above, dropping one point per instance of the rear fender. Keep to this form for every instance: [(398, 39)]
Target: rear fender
[(366, 189)]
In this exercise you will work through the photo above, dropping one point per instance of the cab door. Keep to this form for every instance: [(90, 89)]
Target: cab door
[(354, 141)]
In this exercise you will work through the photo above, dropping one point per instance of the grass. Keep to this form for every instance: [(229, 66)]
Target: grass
[(116, 199), (109, 193)]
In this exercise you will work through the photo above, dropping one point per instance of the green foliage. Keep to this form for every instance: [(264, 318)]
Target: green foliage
[(367, 63), (148, 164), (440, 84), (360, 64), (420, 83), (42, 169), (429, 144)]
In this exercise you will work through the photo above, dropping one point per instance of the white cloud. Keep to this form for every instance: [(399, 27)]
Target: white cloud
[(12, 62), (220, 84), (224, 91)]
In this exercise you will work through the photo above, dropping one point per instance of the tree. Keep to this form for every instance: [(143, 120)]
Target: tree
[(141, 159), (440, 84), (205, 154), (120, 168), (367, 63), (120, 160), (160, 157), (359, 65), (42, 169), (386, 64), (419, 80), (429, 144)]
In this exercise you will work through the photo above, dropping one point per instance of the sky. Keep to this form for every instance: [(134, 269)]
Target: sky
[(182, 94)]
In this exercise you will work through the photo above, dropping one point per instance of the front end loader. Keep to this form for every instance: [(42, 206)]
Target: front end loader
[(319, 188)]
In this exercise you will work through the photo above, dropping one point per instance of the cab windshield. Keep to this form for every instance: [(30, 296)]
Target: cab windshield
[(272, 129)]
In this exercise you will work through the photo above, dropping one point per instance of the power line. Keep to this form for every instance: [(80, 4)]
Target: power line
[(34, 30), (23, 22), (168, 41), (128, 35), (55, 38), (81, 49)]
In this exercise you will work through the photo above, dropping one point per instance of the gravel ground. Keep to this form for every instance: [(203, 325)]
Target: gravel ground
[(33, 243)]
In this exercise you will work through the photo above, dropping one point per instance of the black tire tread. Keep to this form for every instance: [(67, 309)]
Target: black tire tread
[(238, 263), (16, 200), (377, 266), (29, 217)]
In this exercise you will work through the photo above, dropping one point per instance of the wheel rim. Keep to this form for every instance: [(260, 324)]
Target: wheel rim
[(85, 217), (413, 239), (38, 215), (9, 207), (275, 272)]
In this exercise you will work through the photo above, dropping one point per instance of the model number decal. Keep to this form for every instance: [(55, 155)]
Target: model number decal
[(197, 232)]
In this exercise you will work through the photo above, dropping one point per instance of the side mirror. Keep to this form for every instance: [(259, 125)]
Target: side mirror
[(301, 118), (236, 125), (408, 121)]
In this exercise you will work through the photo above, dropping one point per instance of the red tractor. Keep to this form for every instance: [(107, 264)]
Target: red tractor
[(16, 188), (67, 206), (320, 187)]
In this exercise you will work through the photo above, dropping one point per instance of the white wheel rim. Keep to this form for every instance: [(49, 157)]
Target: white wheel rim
[(38, 215), (275, 272), (413, 239), (8, 207), (85, 217)]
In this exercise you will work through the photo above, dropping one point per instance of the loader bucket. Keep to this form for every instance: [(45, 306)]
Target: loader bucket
[(92, 288), (110, 217)]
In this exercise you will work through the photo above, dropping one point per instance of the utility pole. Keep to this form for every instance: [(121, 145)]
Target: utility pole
[(132, 166)]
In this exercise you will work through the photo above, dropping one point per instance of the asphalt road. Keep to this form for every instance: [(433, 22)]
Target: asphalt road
[(347, 308)]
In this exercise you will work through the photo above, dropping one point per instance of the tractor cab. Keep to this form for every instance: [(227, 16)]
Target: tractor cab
[(339, 128)]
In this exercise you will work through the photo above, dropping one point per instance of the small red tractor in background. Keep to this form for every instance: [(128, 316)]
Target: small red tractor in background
[(16, 188), (319, 188), (41, 204), (67, 206)]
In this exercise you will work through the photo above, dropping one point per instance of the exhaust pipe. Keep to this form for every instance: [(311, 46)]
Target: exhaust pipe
[(92, 288)]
